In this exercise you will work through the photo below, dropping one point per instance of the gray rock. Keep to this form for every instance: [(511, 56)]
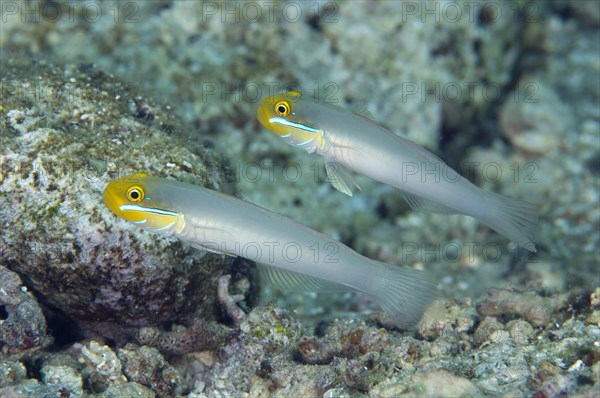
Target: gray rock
[(11, 372), (23, 329), (131, 389), (64, 380), (145, 365), (28, 388), (66, 131)]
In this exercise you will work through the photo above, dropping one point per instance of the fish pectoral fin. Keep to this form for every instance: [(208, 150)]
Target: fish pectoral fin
[(425, 205), (210, 249), (213, 240), (340, 177), (291, 281)]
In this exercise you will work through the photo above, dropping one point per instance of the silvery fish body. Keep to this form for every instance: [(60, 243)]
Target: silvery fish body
[(353, 142), (291, 255)]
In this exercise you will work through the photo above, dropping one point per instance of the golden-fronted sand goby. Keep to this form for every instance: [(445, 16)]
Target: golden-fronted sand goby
[(351, 141), (289, 254)]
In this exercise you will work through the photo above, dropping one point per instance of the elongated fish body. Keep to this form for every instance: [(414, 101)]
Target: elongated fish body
[(353, 142), (291, 255)]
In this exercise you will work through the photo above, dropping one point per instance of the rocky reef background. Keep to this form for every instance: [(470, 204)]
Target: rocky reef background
[(507, 92)]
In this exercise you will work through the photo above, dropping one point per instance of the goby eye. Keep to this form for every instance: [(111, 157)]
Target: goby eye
[(282, 108), (135, 194)]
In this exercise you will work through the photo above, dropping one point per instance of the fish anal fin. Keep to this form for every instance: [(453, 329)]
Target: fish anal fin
[(340, 177), (291, 281)]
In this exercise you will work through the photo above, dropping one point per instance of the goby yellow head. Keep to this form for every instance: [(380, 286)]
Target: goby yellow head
[(282, 115), (131, 198)]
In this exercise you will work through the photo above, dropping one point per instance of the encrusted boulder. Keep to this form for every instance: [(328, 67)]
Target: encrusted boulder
[(66, 132)]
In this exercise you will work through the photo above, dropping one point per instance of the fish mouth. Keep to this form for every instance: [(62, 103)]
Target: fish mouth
[(111, 200), (263, 118)]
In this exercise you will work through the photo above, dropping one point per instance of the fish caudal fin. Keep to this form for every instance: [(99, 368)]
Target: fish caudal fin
[(512, 218), (403, 293)]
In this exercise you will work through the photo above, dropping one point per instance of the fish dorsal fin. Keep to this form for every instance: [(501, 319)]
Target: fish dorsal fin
[(429, 156), (295, 282), (360, 109), (426, 205), (340, 177)]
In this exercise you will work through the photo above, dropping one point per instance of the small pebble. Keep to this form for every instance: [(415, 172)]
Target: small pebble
[(593, 331), (499, 336), (595, 298), (485, 329), (520, 331)]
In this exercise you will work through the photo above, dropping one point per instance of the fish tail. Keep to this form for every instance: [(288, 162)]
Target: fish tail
[(513, 219), (403, 293)]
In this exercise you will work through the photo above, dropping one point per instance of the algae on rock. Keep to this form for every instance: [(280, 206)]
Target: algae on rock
[(66, 131)]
